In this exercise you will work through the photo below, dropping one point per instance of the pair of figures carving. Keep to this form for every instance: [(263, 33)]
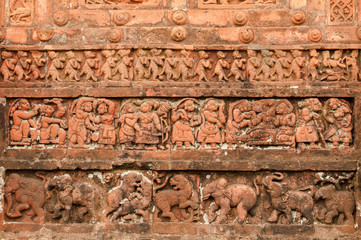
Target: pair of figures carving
[(22, 67), (25, 198), (205, 125), (147, 129), (325, 202), (336, 67), (157, 67), (49, 126)]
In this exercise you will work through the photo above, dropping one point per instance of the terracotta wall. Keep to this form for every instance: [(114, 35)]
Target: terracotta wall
[(175, 119)]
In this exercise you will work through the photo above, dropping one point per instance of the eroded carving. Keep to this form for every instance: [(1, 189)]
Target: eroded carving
[(20, 11), (71, 195), (183, 198), (239, 196), (284, 200), (25, 198), (132, 196)]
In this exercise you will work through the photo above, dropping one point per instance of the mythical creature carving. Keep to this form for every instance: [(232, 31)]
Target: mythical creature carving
[(25, 198), (226, 196), (132, 196), (183, 196), (71, 194)]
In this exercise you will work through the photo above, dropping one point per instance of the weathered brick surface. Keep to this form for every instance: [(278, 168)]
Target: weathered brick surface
[(175, 119)]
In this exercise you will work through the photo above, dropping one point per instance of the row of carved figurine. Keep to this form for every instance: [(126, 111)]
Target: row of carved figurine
[(180, 65), (133, 196), (153, 124)]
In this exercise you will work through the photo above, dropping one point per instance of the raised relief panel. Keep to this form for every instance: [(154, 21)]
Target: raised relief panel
[(72, 198), (25, 198), (129, 197), (20, 12), (176, 197), (341, 12), (113, 4), (145, 125), (231, 198), (235, 3), (309, 198)]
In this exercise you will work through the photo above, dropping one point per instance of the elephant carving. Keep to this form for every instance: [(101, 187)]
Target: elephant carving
[(22, 193), (182, 196), (284, 200), (69, 195), (132, 196), (337, 203), (226, 196)]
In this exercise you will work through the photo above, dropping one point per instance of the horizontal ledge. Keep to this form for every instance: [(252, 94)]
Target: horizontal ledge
[(193, 160)]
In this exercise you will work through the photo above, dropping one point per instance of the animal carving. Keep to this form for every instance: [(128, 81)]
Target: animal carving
[(132, 196), (284, 200), (22, 193), (69, 195), (337, 202), (241, 196), (182, 196)]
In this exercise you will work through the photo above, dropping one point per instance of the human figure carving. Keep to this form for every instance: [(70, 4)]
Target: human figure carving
[(124, 63), (22, 68), (23, 126), (155, 63), (56, 64), (281, 64), (20, 11), (203, 64), (90, 67), (106, 115), (128, 125), (226, 196), (51, 122), (25, 194), (81, 120), (8, 66), (185, 63), (169, 66), (267, 63), (297, 64), (185, 117), (309, 127), (238, 67), (338, 116), (141, 65), (352, 62), (109, 64), (220, 66), (37, 62), (285, 120), (313, 65), (335, 66), (71, 194), (212, 128), (253, 63), (72, 66)]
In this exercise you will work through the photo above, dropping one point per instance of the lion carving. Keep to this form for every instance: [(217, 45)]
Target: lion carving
[(181, 196)]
